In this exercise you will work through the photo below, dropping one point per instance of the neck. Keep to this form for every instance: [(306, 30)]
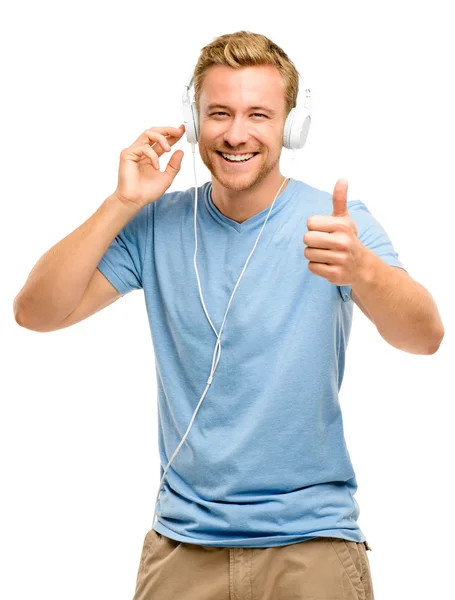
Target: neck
[(240, 206)]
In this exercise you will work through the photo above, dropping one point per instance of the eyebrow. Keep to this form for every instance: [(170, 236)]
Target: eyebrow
[(264, 108)]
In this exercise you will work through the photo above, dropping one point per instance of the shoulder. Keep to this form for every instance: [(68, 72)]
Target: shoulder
[(319, 201), (178, 201)]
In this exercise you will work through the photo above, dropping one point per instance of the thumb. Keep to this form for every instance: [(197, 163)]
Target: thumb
[(174, 164), (340, 199)]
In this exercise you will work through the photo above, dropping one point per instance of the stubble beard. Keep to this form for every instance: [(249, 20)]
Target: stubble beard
[(241, 183)]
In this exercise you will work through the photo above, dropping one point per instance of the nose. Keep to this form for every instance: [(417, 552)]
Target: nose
[(236, 133)]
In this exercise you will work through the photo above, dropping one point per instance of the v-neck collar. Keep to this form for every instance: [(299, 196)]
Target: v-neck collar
[(251, 223)]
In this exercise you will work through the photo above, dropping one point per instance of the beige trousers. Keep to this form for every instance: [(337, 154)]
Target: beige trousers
[(322, 568)]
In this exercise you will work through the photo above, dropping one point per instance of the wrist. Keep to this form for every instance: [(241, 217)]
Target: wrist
[(126, 206), (365, 271)]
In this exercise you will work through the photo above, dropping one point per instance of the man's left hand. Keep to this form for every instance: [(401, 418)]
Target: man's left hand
[(333, 249)]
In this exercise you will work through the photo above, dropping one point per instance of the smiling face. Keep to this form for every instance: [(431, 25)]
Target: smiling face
[(242, 111)]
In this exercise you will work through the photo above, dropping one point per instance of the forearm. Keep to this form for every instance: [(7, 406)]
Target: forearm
[(403, 311), (59, 279)]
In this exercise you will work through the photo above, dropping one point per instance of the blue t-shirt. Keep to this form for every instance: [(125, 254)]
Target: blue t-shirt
[(265, 462)]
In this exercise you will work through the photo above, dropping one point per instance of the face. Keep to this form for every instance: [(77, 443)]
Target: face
[(241, 111)]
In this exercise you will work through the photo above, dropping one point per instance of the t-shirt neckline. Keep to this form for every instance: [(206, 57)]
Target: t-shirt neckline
[(249, 224)]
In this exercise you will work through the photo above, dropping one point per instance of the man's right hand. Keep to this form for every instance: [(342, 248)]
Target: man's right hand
[(140, 180)]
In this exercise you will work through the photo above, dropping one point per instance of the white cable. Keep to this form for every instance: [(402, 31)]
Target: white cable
[(218, 335)]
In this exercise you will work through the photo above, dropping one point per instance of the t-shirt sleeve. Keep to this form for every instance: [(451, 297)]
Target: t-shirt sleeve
[(373, 236), (123, 261)]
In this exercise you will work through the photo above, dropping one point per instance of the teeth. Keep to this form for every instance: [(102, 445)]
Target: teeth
[(237, 157)]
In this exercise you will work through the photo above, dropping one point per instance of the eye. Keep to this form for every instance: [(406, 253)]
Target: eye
[(224, 113)]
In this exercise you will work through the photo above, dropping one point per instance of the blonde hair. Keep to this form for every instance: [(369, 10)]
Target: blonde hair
[(246, 49)]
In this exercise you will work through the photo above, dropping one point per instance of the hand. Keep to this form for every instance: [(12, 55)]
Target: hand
[(333, 248), (140, 180)]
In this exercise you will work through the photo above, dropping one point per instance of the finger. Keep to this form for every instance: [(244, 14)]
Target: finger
[(321, 255), (340, 199), (158, 142), (317, 239), (153, 155), (328, 241), (165, 131), (325, 223), (179, 131), (164, 143), (171, 140), (145, 150), (327, 271)]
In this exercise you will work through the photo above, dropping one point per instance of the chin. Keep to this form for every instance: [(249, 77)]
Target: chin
[(237, 182)]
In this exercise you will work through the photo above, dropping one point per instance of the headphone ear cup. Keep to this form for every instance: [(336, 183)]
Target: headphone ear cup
[(190, 119), (195, 120), (296, 128)]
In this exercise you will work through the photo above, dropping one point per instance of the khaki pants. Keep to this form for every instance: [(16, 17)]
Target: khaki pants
[(322, 568)]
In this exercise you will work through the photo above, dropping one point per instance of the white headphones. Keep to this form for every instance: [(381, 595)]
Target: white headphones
[(295, 131), (294, 137)]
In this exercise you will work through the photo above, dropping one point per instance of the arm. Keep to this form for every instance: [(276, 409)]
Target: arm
[(403, 311), (58, 281), (57, 284)]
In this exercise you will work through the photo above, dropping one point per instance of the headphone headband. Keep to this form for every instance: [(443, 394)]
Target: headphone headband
[(186, 91)]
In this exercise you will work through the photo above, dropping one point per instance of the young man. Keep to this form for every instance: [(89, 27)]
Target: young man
[(259, 500)]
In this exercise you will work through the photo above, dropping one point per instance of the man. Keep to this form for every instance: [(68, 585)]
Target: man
[(259, 501)]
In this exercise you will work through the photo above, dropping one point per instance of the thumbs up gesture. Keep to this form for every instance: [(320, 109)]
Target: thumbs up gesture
[(332, 247)]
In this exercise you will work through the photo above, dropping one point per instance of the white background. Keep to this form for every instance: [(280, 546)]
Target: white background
[(81, 81)]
